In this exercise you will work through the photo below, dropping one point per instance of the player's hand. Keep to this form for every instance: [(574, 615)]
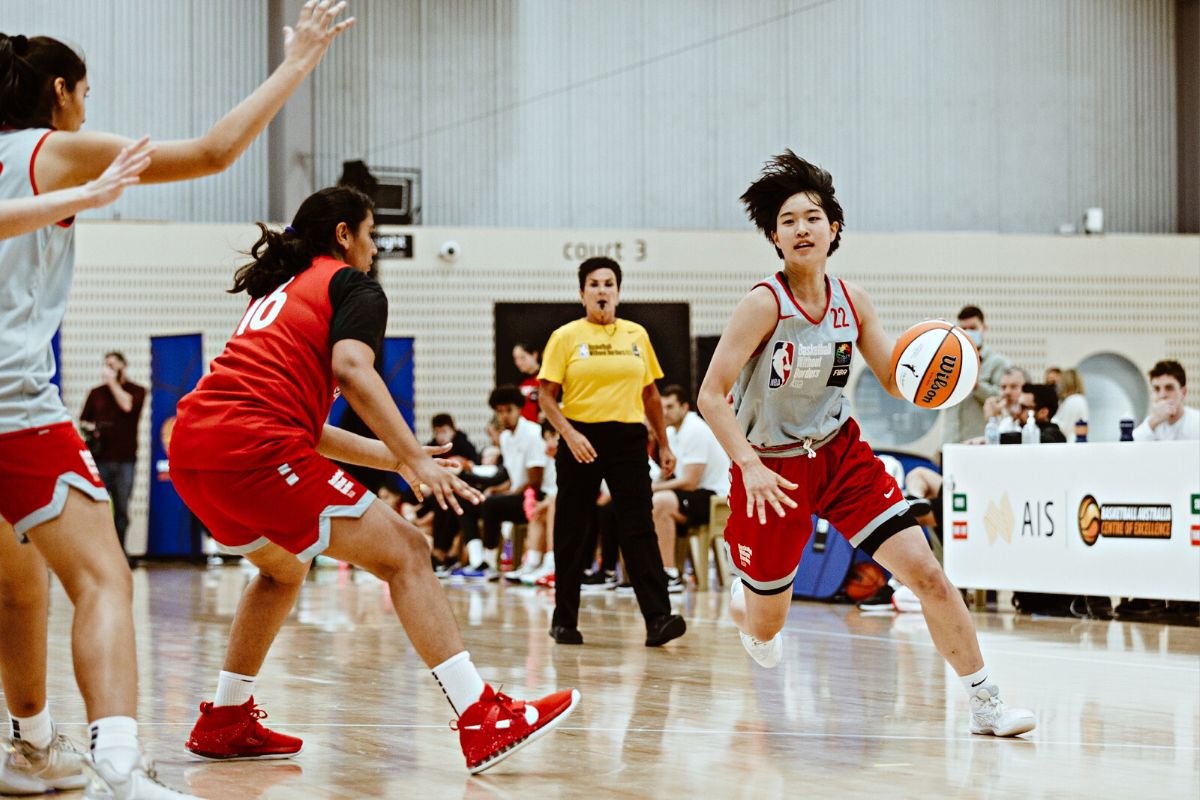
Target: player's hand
[(666, 459), (763, 488), (442, 484), (581, 448), (305, 45), (121, 173)]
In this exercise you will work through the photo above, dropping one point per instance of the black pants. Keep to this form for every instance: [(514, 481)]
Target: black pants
[(621, 461), (494, 510), (602, 529)]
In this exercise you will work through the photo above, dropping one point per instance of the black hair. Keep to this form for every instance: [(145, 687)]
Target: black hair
[(28, 69), (1044, 396), (118, 355), (598, 262), (279, 255), (506, 395), (971, 312), (548, 427), (527, 347), (1169, 367), (443, 421), (783, 176), (678, 392)]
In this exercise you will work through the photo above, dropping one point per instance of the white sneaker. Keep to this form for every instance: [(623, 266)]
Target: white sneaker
[(140, 784), (990, 717), (767, 654), (904, 599), (33, 770)]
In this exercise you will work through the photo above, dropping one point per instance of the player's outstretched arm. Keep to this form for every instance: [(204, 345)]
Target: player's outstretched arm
[(365, 391), (873, 341), (70, 159), (28, 214)]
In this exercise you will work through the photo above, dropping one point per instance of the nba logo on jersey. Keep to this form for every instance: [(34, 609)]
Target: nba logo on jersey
[(781, 364)]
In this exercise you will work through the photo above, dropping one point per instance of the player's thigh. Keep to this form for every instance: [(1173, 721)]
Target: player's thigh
[(380, 541), (906, 555), (277, 564), (81, 546)]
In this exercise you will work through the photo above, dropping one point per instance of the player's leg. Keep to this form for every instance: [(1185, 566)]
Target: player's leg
[(39, 760), (228, 728), (665, 511), (491, 726)]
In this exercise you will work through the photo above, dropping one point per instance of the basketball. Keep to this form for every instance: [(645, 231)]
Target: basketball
[(935, 364), (864, 580)]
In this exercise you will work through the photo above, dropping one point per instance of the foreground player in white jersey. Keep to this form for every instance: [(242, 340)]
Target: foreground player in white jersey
[(785, 354), (50, 491)]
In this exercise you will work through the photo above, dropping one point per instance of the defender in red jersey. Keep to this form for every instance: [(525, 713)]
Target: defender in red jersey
[(252, 456), (786, 354)]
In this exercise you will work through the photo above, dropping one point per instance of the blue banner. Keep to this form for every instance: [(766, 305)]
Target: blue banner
[(176, 364), (397, 374)]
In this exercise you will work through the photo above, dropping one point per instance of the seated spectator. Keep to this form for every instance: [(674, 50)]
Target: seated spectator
[(1052, 376), (1006, 406), (523, 456), (681, 500), (1041, 400), (529, 362), (1072, 404), (445, 432), (442, 524), (1169, 418), (966, 420)]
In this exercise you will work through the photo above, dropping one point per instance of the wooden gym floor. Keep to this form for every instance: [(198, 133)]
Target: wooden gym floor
[(862, 706)]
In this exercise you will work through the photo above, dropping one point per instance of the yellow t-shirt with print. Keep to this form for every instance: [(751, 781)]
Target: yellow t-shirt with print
[(602, 369)]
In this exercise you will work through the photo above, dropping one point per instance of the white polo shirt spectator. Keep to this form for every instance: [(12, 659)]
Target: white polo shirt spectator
[(695, 443), (521, 449)]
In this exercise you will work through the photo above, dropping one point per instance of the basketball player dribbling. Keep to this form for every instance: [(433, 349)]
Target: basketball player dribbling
[(796, 451), (51, 494), (252, 456)]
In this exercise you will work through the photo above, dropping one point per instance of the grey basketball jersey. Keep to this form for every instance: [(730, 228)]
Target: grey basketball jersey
[(35, 278), (788, 398)]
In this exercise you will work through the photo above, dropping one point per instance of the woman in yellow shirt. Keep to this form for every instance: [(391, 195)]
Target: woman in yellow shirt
[(604, 368)]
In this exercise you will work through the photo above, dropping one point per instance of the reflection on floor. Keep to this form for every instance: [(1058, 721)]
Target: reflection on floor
[(862, 706)]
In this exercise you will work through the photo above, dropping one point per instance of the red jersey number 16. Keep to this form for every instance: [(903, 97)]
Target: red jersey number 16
[(263, 311)]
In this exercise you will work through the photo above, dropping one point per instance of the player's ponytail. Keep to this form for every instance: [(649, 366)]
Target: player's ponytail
[(279, 255), (28, 69)]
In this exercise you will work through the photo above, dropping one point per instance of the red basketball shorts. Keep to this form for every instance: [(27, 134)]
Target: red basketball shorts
[(844, 483), (290, 503), (37, 468)]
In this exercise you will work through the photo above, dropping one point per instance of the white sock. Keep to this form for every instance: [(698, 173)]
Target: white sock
[(234, 689), (975, 680), (533, 558), (460, 681), (474, 553), (38, 730), (115, 740), (489, 557), (548, 562), (672, 571)]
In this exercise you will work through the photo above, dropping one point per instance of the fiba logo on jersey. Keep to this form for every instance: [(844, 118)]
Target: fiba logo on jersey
[(782, 358)]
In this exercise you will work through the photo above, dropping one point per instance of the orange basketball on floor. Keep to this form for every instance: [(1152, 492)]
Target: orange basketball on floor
[(864, 580), (936, 364)]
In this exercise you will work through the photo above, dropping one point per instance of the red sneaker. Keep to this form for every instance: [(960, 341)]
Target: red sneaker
[(496, 726), (233, 733)]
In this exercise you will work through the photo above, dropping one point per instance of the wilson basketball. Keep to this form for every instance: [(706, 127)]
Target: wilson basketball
[(864, 580), (936, 365)]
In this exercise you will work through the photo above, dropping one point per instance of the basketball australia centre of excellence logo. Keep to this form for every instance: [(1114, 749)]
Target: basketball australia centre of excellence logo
[(1123, 520)]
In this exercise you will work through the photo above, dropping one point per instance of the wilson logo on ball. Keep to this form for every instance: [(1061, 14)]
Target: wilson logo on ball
[(935, 364)]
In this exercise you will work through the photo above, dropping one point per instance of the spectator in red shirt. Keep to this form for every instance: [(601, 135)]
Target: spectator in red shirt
[(529, 362)]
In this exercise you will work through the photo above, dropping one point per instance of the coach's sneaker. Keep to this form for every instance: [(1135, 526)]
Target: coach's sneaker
[(990, 717), (39, 770), (142, 783), (234, 733), (495, 726)]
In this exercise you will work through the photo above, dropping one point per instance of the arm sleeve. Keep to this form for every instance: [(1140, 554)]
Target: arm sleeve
[(359, 309), (89, 408), (653, 370), (139, 400), (554, 359)]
